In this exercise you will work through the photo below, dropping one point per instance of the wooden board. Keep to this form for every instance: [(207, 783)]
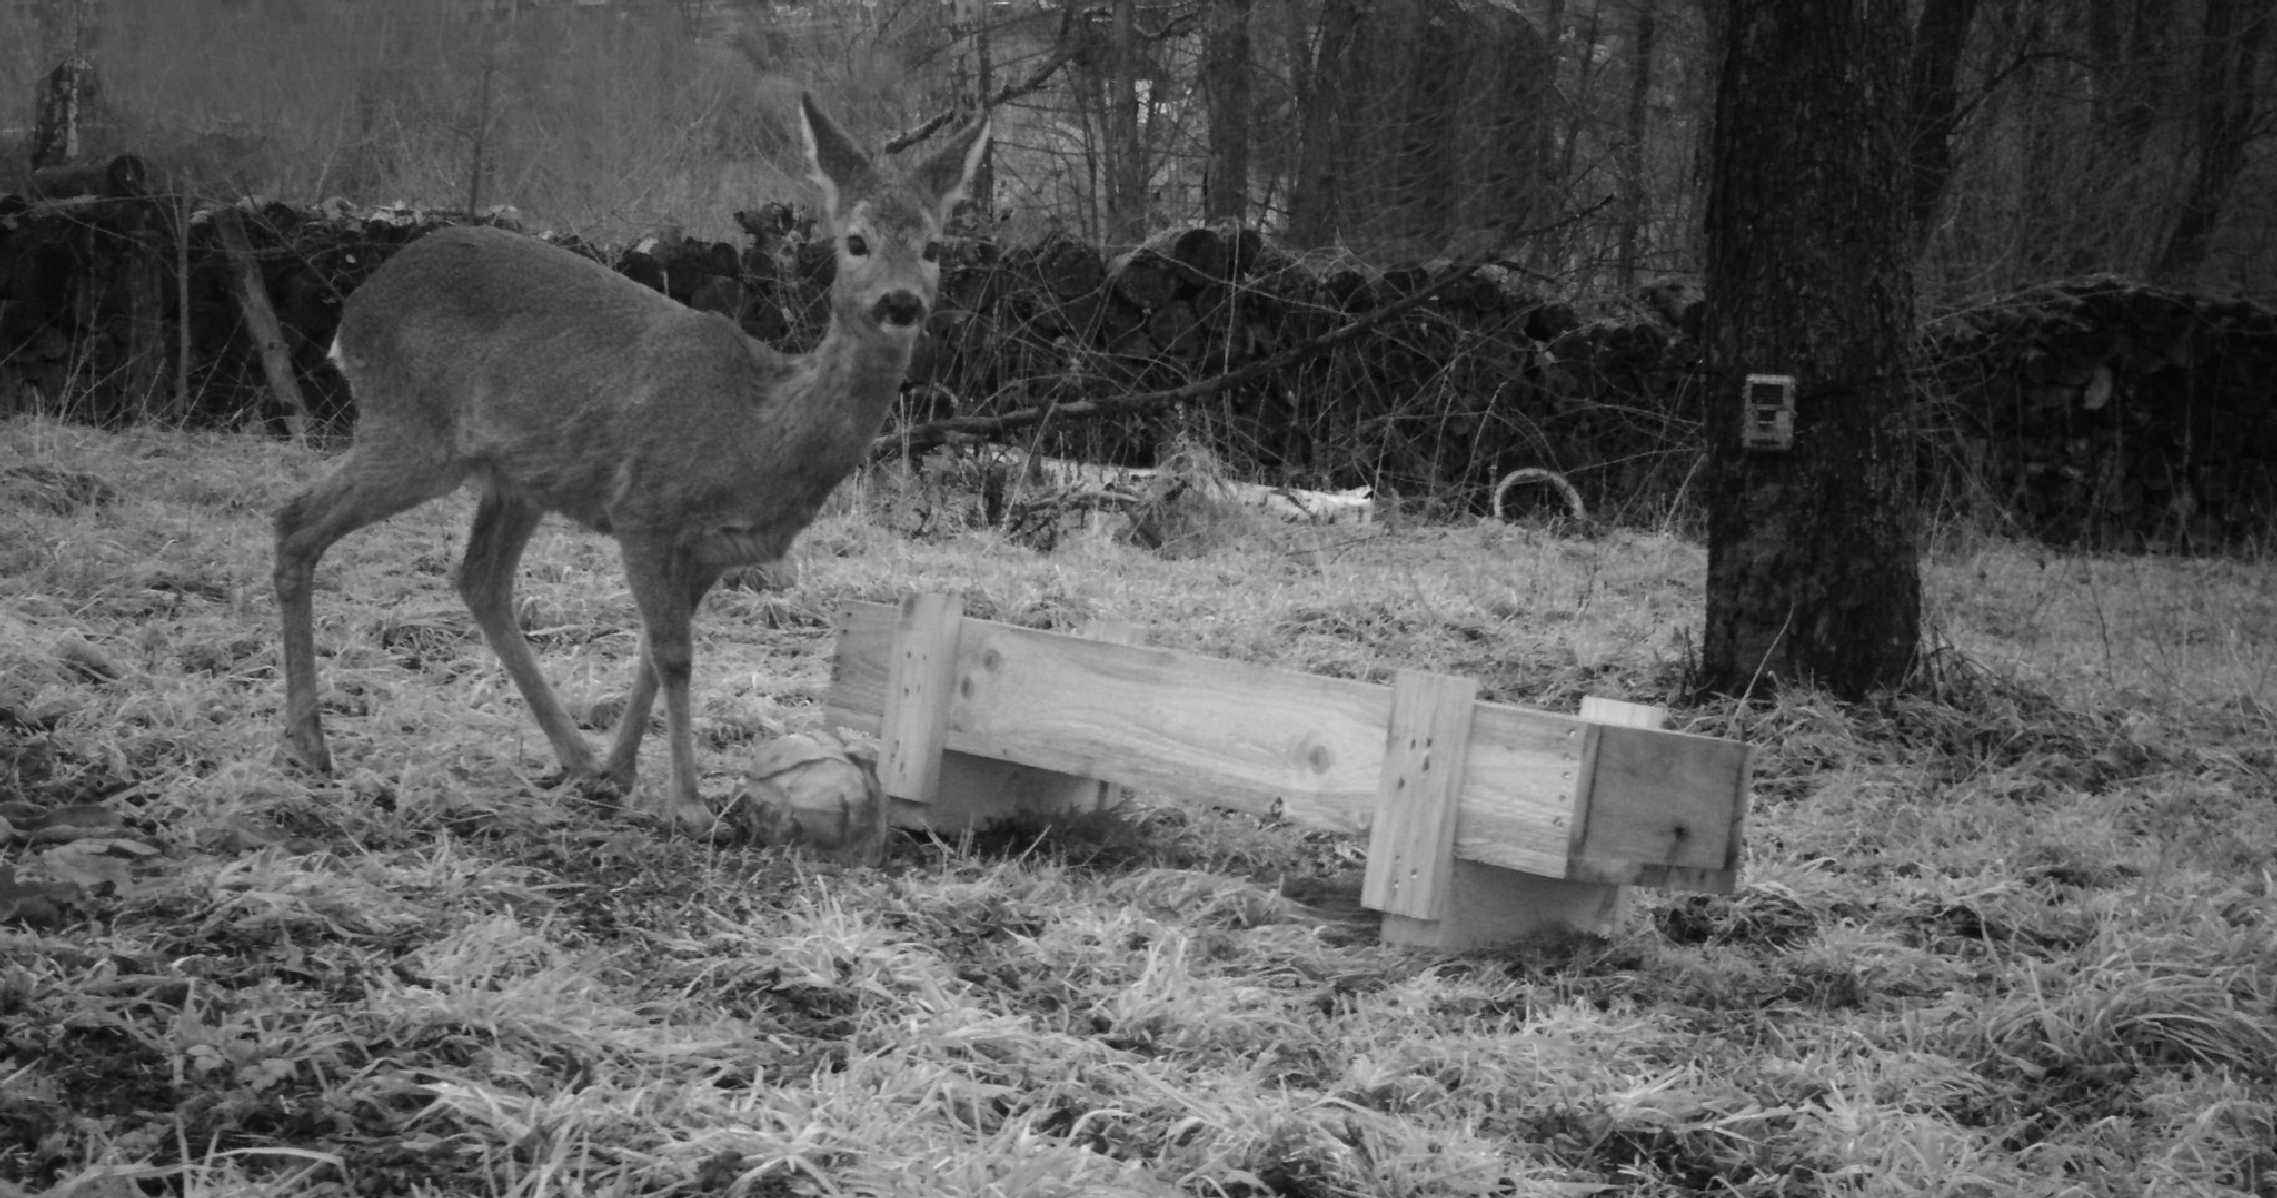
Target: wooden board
[(1311, 749), (1411, 845)]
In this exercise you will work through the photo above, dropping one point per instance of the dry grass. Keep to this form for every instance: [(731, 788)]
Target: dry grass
[(2012, 936)]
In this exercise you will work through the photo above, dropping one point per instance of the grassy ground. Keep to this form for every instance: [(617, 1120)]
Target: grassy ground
[(2012, 935)]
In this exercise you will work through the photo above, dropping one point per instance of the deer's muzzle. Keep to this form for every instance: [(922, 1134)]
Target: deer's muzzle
[(898, 308)]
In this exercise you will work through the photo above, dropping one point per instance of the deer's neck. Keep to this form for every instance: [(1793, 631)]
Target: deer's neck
[(860, 374)]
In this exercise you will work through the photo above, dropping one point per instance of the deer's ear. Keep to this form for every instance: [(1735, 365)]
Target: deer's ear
[(948, 172), (835, 164)]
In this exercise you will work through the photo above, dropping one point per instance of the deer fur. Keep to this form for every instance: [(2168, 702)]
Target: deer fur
[(556, 385)]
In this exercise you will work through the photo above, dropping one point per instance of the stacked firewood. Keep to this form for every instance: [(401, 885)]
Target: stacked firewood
[(2112, 412)]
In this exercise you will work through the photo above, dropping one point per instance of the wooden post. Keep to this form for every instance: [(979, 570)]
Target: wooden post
[(261, 322)]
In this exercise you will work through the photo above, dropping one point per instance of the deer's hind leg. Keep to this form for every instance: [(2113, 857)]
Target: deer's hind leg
[(502, 527), (364, 488)]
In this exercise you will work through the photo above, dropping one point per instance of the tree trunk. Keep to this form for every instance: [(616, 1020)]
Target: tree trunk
[(1813, 574), (1314, 202), (1933, 103), (1582, 111), (973, 78), (2229, 59), (1225, 84), (1126, 154), (1543, 254), (2130, 170), (1635, 196)]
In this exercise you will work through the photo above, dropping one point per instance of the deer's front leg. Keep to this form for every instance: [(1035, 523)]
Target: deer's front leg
[(666, 586)]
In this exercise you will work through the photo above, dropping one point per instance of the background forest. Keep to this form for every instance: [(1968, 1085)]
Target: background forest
[(2048, 138)]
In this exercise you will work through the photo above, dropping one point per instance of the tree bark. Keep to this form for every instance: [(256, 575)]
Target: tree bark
[(1225, 85), (1314, 207), (1933, 103), (1126, 154), (1579, 112), (973, 76), (1635, 195), (1813, 574), (2235, 32)]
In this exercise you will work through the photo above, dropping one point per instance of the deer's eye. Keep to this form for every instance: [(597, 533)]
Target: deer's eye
[(857, 245), (932, 251)]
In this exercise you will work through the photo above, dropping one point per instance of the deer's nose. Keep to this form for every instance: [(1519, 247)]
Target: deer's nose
[(898, 308)]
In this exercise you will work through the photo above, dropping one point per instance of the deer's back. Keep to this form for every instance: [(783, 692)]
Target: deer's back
[(550, 374), (479, 301)]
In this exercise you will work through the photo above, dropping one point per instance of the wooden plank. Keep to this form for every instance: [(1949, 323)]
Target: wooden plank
[(1276, 742), (1242, 736), (1311, 748), (1492, 905), (1521, 789), (1236, 734), (977, 791), (1664, 808), (921, 674), (1488, 905), (1411, 846)]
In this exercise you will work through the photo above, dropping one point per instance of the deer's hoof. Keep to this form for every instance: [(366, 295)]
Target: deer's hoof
[(584, 789), (693, 819), (310, 757)]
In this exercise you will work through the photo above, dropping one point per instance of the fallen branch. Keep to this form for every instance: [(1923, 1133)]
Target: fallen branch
[(261, 322)]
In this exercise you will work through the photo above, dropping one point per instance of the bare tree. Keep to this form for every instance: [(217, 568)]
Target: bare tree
[(1225, 84), (1941, 36), (2229, 58), (1635, 185), (1126, 153)]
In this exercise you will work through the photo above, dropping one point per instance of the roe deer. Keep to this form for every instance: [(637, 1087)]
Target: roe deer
[(557, 385)]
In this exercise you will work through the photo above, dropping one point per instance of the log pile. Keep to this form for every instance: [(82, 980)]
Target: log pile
[(2094, 411), (2114, 413)]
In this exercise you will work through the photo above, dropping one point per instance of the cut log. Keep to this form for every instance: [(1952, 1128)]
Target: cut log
[(1070, 269), (1147, 278), (1217, 254), (113, 178)]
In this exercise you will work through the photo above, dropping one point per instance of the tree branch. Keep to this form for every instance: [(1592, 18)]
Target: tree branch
[(1069, 47)]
